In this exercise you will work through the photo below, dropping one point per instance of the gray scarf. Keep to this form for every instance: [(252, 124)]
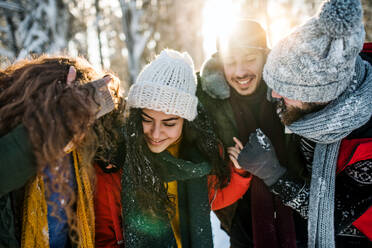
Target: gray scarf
[(327, 128)]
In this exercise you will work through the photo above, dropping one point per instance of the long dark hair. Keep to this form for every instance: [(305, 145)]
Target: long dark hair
[(151, 194)]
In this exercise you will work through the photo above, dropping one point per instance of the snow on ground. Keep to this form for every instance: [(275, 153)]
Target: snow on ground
[(220, 238)]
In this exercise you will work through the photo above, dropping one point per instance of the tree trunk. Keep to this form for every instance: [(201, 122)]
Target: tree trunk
[(135, 39), (98, 18)]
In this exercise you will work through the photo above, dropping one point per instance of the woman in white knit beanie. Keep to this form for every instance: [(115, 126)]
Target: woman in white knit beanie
[(171, 153)]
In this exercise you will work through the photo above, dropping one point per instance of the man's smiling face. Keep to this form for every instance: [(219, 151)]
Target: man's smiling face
[(243, 69)]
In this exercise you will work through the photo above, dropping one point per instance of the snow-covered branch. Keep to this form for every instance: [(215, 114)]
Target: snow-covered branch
[(33, 27), (44, 30), (11, 6), (136, 39)]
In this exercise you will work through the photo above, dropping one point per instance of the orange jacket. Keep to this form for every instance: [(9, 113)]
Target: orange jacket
[(239, 184)]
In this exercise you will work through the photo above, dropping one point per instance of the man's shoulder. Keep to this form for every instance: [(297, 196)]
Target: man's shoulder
[(366, 53), (364, 131), (206, 99), (212, 81), (221, 114)]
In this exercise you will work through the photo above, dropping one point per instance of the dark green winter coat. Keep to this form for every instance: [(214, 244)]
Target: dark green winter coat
[(16, 168), (213, 92)]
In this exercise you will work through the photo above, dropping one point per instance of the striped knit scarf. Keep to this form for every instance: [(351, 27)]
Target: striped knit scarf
[(35, 222), (327, 128)]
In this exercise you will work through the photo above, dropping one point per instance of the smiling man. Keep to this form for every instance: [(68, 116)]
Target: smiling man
[(243, 69), (231, 88)]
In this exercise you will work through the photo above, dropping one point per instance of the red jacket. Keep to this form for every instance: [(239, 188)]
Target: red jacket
[(232, 192), (352, 151), (107, 209), (367, 47)]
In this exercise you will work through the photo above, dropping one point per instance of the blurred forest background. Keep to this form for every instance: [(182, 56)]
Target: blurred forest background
[(123, 35)]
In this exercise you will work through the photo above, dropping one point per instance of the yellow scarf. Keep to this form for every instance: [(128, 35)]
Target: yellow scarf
[(35, 232)]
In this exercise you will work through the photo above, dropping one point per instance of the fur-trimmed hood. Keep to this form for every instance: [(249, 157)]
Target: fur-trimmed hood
[(213, 80)]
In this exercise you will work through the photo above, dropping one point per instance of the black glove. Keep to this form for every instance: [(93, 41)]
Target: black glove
[(259, 158)]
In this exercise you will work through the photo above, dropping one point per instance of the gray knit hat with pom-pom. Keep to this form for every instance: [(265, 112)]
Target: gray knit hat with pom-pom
[(316, 62)]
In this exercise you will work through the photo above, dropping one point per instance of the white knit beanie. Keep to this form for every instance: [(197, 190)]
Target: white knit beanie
[(167, 84), (316, 62)]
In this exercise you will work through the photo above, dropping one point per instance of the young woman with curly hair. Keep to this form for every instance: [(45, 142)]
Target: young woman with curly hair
[(173, 163), (51, 130)]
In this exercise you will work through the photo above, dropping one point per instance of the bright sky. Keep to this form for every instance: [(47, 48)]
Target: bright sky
[(218, 16)]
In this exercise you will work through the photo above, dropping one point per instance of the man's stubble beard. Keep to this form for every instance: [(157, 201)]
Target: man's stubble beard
[(290, 114)]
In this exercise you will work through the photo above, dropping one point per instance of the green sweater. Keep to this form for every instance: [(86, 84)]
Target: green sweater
[(16, 168), (17, 161)]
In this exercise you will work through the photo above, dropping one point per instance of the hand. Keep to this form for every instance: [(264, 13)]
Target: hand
[(100, 90), (234, 151), (110, 166), (100, 93), (259, 158)]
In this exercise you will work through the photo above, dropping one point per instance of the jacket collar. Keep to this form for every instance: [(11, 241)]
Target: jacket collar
[(213, 79)]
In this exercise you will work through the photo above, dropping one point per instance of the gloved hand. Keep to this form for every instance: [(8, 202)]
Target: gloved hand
[(102, 95), (99, 90), (259, 158)]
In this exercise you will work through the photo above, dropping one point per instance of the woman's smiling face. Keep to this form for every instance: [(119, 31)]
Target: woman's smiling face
[(161, 130)]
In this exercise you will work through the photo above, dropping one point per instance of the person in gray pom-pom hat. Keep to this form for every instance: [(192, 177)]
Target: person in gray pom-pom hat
[(325, 94)]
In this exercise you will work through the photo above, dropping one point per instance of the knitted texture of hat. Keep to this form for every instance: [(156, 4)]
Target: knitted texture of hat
[(167, 84), (316, 62)]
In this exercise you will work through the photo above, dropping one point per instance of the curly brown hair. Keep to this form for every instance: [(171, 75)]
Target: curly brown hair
[(34, 93)]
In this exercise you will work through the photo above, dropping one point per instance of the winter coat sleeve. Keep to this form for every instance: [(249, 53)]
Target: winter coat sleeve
[(294, 192), (239, 184), (17, 160), (353, 194), (353, 197)]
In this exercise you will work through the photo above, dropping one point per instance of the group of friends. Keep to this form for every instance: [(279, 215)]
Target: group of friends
[(278, 143)]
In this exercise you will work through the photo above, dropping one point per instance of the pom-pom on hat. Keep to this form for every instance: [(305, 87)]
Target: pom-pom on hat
[(316, 62), (167, 84)]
